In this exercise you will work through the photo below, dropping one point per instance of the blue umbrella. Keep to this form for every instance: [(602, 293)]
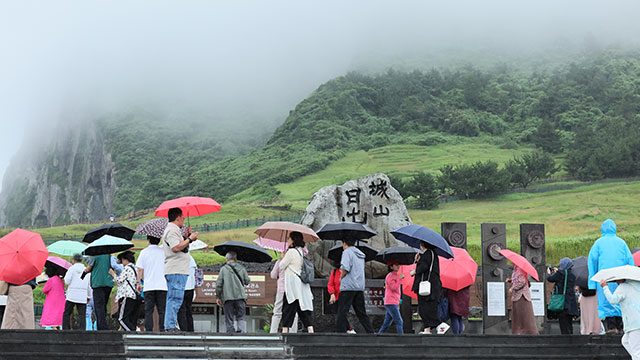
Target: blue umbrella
[(413, 234), (107, 244)]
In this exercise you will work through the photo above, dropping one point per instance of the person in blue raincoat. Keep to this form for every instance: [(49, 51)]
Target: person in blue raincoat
[(607, 252)]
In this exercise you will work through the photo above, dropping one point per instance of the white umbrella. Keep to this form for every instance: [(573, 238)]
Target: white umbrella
[(626, 272), (197, 245)]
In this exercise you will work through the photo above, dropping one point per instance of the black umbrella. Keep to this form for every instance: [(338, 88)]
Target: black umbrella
[(115, 229), (345, 230), (107, 245), (404, 255), (247, 252), (581, 271), (335, 253)]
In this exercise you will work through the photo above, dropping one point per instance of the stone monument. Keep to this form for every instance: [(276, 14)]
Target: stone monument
[(370, 200)]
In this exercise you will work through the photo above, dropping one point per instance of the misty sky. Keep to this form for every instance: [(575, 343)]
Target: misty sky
[(247, 56)]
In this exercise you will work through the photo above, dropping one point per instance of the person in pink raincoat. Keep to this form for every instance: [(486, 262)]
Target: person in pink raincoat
[(54, 300)]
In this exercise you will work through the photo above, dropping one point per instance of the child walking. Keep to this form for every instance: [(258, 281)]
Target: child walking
[(392, 298), (627, 294)]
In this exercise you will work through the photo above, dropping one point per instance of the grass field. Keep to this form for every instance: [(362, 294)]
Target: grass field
[(572, 217), (395, 159)]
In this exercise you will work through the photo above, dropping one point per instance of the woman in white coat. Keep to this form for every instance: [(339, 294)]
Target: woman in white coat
[(298, 297)]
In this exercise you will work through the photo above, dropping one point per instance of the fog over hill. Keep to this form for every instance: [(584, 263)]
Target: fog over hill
[(227, 74)]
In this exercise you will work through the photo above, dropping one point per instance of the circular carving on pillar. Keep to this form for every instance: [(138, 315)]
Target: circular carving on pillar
[(494, 230), (492, 251), (456, 238), (535, 260), (535, 239)]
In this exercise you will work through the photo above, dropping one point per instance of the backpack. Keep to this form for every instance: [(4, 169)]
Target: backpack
[(307, 275), (199, 277)]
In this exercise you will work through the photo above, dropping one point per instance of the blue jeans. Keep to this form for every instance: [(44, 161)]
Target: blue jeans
[(175, 294), (392, 315), (457, 324)]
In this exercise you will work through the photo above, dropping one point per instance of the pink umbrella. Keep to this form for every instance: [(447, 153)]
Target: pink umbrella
[(520, 261), (459, 272), (60, 263), (273, 245), (280, 230), (407, 281)]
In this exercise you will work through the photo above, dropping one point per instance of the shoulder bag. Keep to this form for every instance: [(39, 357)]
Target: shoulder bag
[(425, 285), (556, 302)]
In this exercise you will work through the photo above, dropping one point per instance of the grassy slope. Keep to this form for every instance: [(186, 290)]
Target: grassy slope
[(395, 159), (572, 217)]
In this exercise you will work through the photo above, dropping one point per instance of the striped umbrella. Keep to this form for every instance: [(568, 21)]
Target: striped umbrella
[(155, 227)]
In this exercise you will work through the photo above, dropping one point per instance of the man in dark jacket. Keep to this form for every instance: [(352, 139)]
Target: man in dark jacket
[(565, 318)]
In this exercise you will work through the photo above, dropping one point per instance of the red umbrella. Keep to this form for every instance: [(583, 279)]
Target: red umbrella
[(190, 206), (459, 272), (520, 261), (407, 281), (22, 256), (636, 258)]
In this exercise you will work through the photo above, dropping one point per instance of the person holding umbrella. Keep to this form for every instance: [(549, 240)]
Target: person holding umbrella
[(78, 294), (54, 301), (627, 295), (523, 322), (565, 282), (18, 313), (176, 266), (392, 298), (279, 274), (428, 268), (298, 298), (352, 287)]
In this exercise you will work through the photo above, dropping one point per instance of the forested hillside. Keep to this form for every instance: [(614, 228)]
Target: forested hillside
[(585, 111), (588, 111)]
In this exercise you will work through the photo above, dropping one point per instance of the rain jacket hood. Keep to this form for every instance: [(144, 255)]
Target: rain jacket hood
[(608, 227), (607, 252)]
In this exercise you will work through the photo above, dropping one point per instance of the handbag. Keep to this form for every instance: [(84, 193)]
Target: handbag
[(424, 288), (556, 301)]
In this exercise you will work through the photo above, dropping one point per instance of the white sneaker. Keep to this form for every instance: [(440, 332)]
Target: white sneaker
[(351, 331), (424, 333)]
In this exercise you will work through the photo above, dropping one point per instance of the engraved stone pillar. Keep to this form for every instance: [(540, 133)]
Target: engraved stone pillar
[(494, 301), (532, 247), (455, 234)]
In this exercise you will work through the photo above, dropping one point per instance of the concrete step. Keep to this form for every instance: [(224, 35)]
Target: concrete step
[(143, 346)]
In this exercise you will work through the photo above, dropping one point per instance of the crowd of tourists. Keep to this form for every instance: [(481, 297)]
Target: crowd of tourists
[(164, 276)]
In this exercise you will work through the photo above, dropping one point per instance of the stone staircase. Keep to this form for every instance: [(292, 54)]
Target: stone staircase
[(211, 346), (70, 345), (335, 346)]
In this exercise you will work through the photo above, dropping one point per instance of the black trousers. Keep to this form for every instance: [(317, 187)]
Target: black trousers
[(185, 316), (154, 299), (346, 301), (128, 313), (100, 301), (566, 323), (68, 315), (289, 312)]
